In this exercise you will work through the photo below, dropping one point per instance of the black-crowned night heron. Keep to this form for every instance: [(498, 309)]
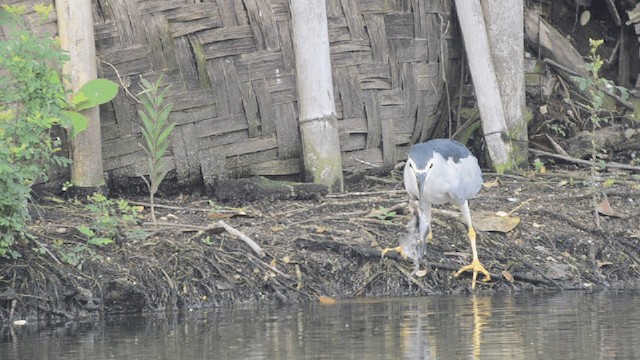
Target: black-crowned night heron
[(442, 171)]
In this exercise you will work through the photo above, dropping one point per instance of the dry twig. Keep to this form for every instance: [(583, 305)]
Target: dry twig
[(247, 240)]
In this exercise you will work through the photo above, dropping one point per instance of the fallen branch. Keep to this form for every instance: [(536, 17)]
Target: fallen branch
[(42, 246), (366, 193), (247, 240), (187, 227), (585, 162), (268, 266)]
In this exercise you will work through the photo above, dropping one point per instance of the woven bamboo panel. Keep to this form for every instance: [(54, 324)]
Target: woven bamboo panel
[(231, 70)]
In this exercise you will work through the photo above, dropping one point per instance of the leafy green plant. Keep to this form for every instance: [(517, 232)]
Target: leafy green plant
[(156, 130), (207, 240), (539, 166), (32, 102), (92, 238), (384, 214), (111, 216), (93, 93), (76, 255), (596, 86)]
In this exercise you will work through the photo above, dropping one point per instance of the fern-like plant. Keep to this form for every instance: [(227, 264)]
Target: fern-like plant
[(156, 130)]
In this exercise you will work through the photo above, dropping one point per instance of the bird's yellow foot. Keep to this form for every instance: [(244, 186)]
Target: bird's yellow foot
[(476, 267), (397, 249)]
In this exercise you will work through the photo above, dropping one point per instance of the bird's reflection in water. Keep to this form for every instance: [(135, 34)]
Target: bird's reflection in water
[(415, 336), (426, 332), (481, 309)]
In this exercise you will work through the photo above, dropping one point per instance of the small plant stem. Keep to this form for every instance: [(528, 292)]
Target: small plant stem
[(153, 209)]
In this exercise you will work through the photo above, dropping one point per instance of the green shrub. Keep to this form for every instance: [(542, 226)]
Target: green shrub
[(32, 99), (597, 86), (32, 102)]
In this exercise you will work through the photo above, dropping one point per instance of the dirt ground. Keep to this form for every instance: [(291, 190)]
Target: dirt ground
[(330, 247)]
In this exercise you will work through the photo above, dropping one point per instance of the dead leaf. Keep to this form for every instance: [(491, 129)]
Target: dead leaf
[(488, 221), (273, 263), (536, 225), (326, 300), (585, 17), (603, 263), (223, 285), (286, 259), (566, 254), (507, 276), (421, 273), (544, 109), (605, 208), (490, 184), (562, 183), (320, 229), (556, 146), (277, 228)]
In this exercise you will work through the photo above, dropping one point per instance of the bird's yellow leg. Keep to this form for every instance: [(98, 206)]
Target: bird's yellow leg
[(475, 265), (430, 237), (397, 249)]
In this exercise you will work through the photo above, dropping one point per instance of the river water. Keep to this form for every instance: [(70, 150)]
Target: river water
[(556, 326)]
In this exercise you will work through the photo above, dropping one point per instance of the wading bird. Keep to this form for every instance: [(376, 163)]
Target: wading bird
[(441, 171)]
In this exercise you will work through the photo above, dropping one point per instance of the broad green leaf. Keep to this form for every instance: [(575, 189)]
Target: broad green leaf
[(86, 231), (98, 91), (78, 99), (79, 123)]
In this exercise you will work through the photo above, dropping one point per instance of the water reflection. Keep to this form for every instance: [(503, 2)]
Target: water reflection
[(562, 326)]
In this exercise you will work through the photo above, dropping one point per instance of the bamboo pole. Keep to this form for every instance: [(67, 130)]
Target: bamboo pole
[(75, 29), (505, 23), (485, 83), (318, 123)]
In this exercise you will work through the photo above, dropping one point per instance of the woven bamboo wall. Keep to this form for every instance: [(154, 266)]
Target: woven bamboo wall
[(231, 70)]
